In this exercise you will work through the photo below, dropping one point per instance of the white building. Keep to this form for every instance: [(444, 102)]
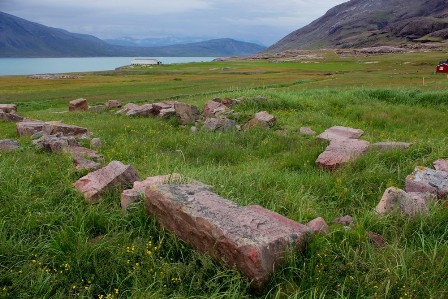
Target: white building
[(145, 61)]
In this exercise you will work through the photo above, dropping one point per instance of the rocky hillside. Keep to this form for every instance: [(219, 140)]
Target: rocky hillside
[(362, 23), (22, 38)]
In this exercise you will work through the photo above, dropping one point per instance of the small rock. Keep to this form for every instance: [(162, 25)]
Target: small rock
[(114, 175), (339, 132), (318, 225), (307, 131), (345, 221), (219, 124), (128, 107), (166, 113), (266, 117), (10, 117), (143, 110), (85, 164), (79, 151), (424, 180), (113, 104), (9, 145), (194, 129), (96, 142), (8, 108), (215, 107), (410, 203), (441, 165), (387, 146), (377, 240), (187, 114), (255, 123), (55, 143), (78, 105)]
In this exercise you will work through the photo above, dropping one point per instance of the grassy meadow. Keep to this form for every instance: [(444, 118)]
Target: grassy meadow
[(55, 245)]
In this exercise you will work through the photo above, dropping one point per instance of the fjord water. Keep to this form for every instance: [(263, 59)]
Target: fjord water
[(30, 66)]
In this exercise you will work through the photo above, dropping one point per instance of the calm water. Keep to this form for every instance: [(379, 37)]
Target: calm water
[(30, 66)]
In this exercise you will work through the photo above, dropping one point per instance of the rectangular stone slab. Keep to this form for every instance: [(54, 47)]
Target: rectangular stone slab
[(252, 239)]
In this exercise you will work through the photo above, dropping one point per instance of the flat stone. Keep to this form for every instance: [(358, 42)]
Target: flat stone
[(113, 104), (166, 113), (143, 110), (252, 239), (341, 151), (441, 165), (10, 117), (409, 203), (163, 105), (126, 108), (387, 146), (8, 108), (78, 105), (347, 220), (51, 128), (79, 151), (219, 124), (307, 131), (55, 143), (339, 132), (255, 123), (266, 117), (318, 226), (82, 163), (28, 128), (187, 114), (114, 175), (9, 145), (426, 180)]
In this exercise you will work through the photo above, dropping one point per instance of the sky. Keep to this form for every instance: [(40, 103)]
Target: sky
[(263, 21)]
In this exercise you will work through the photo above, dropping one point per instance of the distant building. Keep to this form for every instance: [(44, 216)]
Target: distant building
[(442, 67), (145, 61)]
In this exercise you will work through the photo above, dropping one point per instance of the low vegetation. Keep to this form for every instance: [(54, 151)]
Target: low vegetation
[(54, 245)]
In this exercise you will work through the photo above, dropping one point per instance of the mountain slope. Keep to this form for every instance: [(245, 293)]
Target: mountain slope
[(359, 23), (22, 38)]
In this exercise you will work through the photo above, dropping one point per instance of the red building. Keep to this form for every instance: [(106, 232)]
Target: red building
[(442, 67)]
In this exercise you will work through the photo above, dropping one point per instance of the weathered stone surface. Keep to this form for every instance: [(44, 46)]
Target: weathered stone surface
[(96, 142), (266, 117), (163, 105), (255, 123), (143, 110), (424, 180), (341, 151), (79, 151), (187, 114), (318, 226), (9, 145), (215, 107), (441, 165), (55, 143), (347, 220), (8, 108), (387, 146), (28, 128), (113, 104), (52, 128), (395, 199), (82, 163), (136, 194), (250, 238), (78, 105), (307, 131), (377, 240), (128, 107), (165, 113), (219, 124), (10, 117), (114, 175), (338, 132)]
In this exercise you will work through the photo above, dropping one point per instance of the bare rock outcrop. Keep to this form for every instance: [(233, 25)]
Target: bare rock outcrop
[(339, 132), (114, 175), (251, 238), (341, 151)]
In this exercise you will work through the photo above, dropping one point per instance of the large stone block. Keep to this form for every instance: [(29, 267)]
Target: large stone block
[(29, 128), (424, 180), (341, 151), (409, 203), (78, 105), (252, 239), (114, 175), (339, 132), (52, 128)]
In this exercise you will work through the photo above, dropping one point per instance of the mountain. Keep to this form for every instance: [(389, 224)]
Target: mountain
[(362, 23), (22, 38), (154, 42)]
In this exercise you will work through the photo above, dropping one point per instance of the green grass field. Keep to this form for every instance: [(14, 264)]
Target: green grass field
[(55, 245)]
